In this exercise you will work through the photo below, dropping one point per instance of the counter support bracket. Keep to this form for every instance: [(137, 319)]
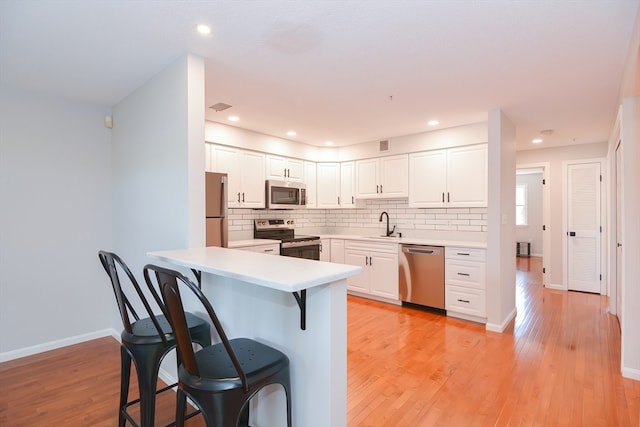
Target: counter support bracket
[(301, 299)]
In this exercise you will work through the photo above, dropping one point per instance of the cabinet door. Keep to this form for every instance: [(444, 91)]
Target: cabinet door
[(337, 250), (347, 185), (358, 282), (367, 185), (227, 160), (394, 174), (253, 184), (276, 167), (427, 179), (467, 176), (325, 250), (384, 275), (295, 170), (328, 185), (310, 181)]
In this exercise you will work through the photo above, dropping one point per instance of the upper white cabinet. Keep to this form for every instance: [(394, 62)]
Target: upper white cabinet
[(284, 169), (454, 177), (384, 177), (245, 175), (328, 185), (310, 179), (347, 185)]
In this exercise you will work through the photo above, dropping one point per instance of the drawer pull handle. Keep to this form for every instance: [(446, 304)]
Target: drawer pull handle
[(463, 274), (463, 300), (462, 253), (268, 250)]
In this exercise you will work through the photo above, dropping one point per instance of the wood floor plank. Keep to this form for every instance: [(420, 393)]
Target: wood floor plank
[(558, 364)]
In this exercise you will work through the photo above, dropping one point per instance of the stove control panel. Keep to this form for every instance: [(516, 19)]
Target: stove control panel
[(273, 224)]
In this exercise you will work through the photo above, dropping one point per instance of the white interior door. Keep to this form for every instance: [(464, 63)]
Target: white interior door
[(583, 227), (618, 236)]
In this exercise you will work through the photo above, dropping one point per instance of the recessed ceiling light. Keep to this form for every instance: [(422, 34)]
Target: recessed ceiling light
[(433, 122), (536, 141), (328, 143), (234, 118), (292, 133), (204, 29)]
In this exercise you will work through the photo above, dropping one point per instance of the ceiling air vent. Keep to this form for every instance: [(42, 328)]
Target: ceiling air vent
[(220, 106), (384, 145)]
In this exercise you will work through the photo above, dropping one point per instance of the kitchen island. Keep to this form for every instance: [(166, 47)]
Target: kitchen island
[(253, 295)]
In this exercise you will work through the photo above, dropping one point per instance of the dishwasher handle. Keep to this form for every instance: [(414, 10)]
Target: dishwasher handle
[(421, 251)]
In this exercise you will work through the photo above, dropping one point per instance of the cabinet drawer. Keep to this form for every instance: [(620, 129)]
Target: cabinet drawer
[(465, 300), (361, 245), (462, 273), (265, 249), (465, 254)]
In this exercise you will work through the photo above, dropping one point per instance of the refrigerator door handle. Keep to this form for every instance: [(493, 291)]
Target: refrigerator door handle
[(223, 195)]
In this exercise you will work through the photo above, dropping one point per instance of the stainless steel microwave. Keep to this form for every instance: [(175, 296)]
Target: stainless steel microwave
[(286, 195)]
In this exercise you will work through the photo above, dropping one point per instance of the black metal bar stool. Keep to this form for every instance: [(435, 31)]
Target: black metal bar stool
[(146, 341), (220, 379)]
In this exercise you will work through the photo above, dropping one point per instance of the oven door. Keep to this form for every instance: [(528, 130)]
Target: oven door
[(306, 250)]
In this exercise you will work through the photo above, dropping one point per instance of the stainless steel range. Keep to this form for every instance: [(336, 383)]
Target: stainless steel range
[(297, 246)]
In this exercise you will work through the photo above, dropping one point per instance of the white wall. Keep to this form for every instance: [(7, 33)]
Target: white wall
[(444, 138), (630, 132), (501, 270), (55, 192), (157, 138), (555, 157), (532, 232)]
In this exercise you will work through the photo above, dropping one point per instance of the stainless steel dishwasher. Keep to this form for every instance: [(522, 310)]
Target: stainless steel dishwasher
[(421, 275)]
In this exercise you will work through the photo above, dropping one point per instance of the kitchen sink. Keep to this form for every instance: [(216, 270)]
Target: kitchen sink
[(382, 237)]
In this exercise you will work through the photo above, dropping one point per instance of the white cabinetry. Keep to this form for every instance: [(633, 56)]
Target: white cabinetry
[(245, 171), (310, 179), (379, 262), (284, 169), (464, 277), (328, 185), (384, 177), (454, 177), (337, 250), (325, 250), (347, 185), (271, 249)]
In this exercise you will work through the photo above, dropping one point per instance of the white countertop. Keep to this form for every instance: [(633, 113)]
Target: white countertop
[(275, 272), (409, 240)]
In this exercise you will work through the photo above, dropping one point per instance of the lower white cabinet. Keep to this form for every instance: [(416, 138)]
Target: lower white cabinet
[(325, 250), (465, 278), (271, 249), (379, 262), (337, 250)]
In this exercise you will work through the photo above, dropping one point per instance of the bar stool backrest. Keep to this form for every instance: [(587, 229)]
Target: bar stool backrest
[(168, 282), (112, 263)]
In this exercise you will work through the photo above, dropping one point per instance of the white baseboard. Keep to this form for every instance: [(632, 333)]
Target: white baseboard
[(495, 327), (469, 317), (634, 374), (555, 286), (52, 345)]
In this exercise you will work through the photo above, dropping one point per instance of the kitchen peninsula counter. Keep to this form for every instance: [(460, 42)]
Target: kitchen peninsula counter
[(252, 295)]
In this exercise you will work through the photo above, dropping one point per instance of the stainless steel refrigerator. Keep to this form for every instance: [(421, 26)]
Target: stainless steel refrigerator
[(215, 185)]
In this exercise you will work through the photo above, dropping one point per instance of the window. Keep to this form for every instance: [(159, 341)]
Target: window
[(521, 204)]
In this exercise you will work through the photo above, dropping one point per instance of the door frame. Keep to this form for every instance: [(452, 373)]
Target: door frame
[(603, 220), (546, 216)]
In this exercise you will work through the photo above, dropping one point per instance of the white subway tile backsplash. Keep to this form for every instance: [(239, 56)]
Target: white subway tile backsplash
[(400, 214)]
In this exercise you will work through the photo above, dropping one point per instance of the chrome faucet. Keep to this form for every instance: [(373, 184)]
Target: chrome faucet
[(389, 233)]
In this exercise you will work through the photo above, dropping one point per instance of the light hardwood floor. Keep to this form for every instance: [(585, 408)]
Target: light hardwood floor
[(558, 364)]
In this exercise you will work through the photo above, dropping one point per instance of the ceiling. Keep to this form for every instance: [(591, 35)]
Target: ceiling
[(345, 71)]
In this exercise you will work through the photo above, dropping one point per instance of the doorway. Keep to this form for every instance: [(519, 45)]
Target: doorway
[(582, 191), (532, 181)]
